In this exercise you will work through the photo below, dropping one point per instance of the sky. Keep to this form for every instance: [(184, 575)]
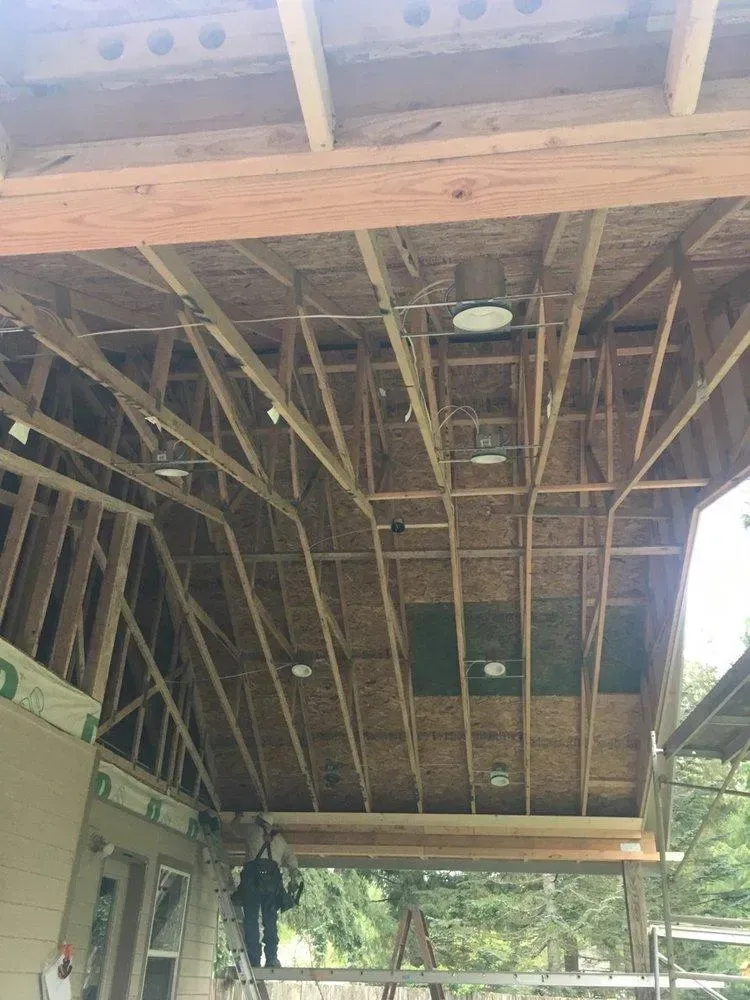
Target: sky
[(718, 598)]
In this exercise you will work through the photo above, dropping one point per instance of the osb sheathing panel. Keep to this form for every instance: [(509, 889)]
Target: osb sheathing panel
[(619, 746), (388, 763), (441, 753)]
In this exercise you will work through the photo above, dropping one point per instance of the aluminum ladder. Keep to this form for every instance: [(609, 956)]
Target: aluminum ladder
[(216, 857)]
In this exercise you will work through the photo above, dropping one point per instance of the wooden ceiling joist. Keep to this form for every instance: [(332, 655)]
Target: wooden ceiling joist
[(688, 51), (299, 23)]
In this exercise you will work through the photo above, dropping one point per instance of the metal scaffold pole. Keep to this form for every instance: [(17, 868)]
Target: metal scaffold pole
[(661, 843)]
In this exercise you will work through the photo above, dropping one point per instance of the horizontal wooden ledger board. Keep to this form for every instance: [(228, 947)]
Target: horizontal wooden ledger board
[(500, 186)]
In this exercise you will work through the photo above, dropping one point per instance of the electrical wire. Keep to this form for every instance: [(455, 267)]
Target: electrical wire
[(414, 304), (453, 410)]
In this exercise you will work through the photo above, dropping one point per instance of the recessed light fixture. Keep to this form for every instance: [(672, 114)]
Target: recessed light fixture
[(490, 447), (494, 668), (172, 472), (171, 461), (488, 457), (499, 776), (481, 306), (301, 670)]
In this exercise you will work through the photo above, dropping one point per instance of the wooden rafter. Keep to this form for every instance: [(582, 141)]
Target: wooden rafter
[(688, 51), (655, 364), (378, 275), (706, 382), (104, 628), (241, 425), (175, 582), (702, 228), (299, 23), (563, 356), (201, 305)]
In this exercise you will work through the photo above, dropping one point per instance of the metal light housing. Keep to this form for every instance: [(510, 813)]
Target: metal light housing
[(499, 777), (480, 290), (490, 447)]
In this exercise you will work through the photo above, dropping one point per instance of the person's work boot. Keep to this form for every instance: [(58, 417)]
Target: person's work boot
[(273, 963)]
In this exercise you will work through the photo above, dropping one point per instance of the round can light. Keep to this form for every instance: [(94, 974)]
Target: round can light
[(494, 668), (301, 670), (172, 472), (481, 317), (496, 457), (499, 776)]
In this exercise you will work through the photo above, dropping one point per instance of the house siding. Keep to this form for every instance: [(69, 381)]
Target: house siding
[(46, 778), (150, 845)]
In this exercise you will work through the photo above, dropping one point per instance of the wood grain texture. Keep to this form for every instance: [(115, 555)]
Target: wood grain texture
[(453, 190)]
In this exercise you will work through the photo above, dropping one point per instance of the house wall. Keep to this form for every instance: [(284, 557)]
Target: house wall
[(147, 845), (46, 777)]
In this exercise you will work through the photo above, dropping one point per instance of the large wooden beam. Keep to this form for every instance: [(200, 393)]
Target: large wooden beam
[(273, 203), (688, 51), (426, 837)]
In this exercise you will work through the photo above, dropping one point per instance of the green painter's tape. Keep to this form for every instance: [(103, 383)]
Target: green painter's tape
[(88, 733), (103, 785), (153, 810), (8, 680)]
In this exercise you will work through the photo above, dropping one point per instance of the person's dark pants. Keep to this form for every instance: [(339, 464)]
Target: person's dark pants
[(256, 906)]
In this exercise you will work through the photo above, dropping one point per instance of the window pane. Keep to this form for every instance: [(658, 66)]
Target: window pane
[(99, 939), (169, 910), (157, 984)]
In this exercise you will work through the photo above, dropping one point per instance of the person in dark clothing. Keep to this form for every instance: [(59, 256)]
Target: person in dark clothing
[(261, 886)]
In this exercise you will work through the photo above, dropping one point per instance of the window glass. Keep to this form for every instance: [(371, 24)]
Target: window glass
[(165, 938), (169, 911), (99, 939)]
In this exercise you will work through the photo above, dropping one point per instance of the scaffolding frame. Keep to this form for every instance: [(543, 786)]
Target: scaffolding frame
[(715, 930)]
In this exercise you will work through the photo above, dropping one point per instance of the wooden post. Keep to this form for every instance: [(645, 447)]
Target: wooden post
[(634, 887), (108, 610)]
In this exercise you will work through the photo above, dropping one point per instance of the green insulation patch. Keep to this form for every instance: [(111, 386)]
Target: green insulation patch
[(493, 632)]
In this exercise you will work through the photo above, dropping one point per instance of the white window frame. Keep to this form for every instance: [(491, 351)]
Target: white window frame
[(158, 953)]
